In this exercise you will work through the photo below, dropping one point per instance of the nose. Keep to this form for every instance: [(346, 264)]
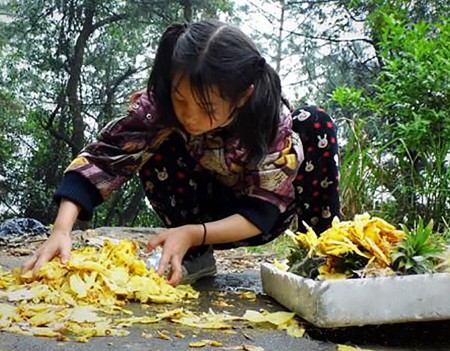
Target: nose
[(190, 115), (187, 118)]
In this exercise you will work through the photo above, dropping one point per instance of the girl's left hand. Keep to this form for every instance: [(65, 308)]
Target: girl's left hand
[(175, 243)]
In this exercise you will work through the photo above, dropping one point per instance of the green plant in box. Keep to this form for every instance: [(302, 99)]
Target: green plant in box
[(420, 251)]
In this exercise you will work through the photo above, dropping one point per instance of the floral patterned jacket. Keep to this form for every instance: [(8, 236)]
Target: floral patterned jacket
[(127, 143)]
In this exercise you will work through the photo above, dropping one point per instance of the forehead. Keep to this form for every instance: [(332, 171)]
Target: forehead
[(182, 86)]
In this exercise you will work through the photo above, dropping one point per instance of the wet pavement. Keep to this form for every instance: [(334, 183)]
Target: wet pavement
[(426, 336), (420, 336), (223, 288)]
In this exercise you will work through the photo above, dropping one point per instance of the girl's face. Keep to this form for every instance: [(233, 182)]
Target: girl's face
[(192, 115)]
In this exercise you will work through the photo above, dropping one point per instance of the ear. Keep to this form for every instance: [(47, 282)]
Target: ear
[(246, 95)]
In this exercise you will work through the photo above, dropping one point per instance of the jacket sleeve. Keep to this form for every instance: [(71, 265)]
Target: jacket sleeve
[(119, 151), (269, 183)]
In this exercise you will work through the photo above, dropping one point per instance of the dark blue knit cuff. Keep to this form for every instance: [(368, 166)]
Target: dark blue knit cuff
[(261, 213), (78, 189)]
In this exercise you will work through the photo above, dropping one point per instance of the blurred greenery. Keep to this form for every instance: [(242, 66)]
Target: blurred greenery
[(67, 69), (380, 67), (397, 158), (281, 247)]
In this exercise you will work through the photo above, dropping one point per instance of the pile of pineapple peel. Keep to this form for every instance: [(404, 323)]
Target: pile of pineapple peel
[(86, 298), (66, 298), (370, 238)]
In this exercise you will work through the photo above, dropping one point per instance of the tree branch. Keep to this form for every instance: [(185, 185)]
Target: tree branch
[(48, 126), (109, 20), (60, 104), (310, 2), (9, 207), (129, 72), (353, 18), (111, 90), (298, 82), (269, 16), (330, 39)]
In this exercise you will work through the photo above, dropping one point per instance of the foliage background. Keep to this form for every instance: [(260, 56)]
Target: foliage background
[(380, 67)]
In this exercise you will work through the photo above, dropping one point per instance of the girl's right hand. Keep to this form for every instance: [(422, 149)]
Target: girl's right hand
[(58, 244)]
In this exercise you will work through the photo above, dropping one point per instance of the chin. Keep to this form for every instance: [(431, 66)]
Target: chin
[(194, 131)]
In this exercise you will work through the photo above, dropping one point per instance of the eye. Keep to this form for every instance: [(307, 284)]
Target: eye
[(178, 100), (210, 110)]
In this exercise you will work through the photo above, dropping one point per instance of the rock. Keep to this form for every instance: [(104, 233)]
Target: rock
[(22, 226), (19, 231)]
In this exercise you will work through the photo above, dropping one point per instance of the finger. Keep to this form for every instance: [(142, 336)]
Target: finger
[(163, 263), (65, 254), (154, 243), (43, 258), (177, 272), (29, 264)]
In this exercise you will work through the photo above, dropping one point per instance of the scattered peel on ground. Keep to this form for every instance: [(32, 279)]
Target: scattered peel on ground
[(210, 320), (248, 295), (245, 348), (204, 343), (281, 320), (64, 299), (6, 279), (350, 348), (70, 301)]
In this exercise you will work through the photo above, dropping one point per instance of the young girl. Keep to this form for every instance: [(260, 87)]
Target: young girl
[(220, 163)]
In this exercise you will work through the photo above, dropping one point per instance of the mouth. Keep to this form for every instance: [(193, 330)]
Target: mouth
[(192, 130)]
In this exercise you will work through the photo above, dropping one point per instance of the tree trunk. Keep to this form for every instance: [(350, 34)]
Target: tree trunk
[(187, 10), (280, 38), (133, 207), (76, 65)]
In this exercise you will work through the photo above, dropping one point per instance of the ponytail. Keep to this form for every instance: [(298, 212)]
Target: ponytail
[(258, 120), (159, 82)]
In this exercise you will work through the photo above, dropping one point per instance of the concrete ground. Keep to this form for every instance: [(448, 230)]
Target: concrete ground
[(421, 336), (403, 337), (212, 290)]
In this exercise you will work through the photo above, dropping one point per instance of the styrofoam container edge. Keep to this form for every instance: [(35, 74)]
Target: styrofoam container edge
[(357, 302)]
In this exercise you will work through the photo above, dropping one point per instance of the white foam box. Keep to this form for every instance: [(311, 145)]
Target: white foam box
[(357, 302)]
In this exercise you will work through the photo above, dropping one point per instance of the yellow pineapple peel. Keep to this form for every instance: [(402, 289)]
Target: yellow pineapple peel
[(366, 236)]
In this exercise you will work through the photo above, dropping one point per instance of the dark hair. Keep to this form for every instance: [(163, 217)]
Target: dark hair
[(213, 54)]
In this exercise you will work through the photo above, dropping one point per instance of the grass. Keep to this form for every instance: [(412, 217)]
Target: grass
[(280, 247)]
